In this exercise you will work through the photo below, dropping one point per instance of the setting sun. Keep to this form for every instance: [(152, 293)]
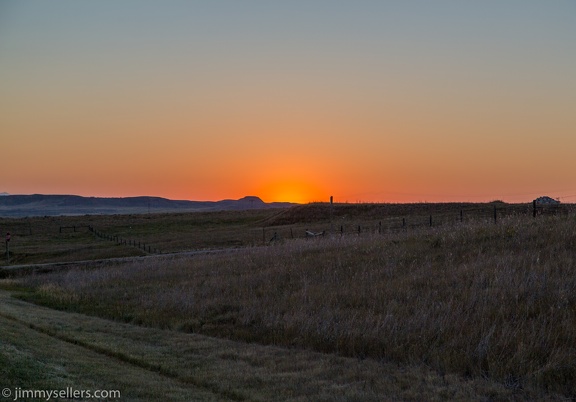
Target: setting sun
[(293, 190), (288, 101)]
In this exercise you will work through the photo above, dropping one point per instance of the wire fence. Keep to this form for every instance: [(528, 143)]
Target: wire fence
[(305, 221), (127, 242), (345, 225)]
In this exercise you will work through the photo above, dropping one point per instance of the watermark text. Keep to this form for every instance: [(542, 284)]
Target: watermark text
[(18, 393)]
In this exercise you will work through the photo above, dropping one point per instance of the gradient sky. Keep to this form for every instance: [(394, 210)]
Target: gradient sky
[(368, 101)]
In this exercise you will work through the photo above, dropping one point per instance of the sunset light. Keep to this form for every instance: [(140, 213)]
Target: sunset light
[(289, 101), (292, 191), (289, 199)]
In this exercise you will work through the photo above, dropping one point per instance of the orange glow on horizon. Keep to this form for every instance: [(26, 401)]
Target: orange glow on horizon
[(456, 110), (291, 190)]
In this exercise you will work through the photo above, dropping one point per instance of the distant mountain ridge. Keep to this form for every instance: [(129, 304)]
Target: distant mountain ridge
[(53, 205)]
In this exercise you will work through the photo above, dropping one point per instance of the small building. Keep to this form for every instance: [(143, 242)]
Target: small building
[(545, 200)]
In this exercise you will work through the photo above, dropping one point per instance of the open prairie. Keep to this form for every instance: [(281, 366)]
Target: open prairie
[(72, 238), (393, 302)]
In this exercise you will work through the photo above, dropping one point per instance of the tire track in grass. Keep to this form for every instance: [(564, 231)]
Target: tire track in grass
[(12, 270), (38, 361), (229, 370), (126, 358)]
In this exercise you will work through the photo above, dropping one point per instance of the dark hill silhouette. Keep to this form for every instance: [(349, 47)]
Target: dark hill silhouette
[(50, 205)]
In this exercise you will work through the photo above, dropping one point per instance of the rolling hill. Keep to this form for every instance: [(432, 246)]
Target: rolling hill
[(53, 205)]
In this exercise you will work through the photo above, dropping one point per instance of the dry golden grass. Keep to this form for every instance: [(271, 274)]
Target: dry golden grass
[(53, 239), (49, 349), (475, 299)]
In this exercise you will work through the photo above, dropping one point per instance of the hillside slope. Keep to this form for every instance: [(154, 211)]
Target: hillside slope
[(52, 205)]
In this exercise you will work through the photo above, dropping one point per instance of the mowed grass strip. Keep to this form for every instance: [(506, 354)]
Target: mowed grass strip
[(50, 349), (33, 360), (475, 299)]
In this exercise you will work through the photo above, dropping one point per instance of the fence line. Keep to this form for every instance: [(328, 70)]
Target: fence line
[(274, 233), (73, 228), (393, 224), (340, 219), (127, 242)]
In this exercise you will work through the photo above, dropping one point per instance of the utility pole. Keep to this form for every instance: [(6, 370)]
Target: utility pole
[(331, 214)]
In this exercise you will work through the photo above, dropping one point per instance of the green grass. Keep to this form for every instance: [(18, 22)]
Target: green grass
[(42, 350), (50, 349), (472, 299)]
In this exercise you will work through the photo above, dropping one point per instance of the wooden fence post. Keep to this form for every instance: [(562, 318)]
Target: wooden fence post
[(331, 214), (430, 220)]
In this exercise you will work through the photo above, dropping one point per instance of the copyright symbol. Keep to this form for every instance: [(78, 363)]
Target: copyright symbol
[(6, 392)]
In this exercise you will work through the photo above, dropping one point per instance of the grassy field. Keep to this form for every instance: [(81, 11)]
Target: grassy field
[(68, 238), (49, 349), (479, 310)]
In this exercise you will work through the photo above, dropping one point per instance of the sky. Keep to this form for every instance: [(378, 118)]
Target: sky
[(365, 101)]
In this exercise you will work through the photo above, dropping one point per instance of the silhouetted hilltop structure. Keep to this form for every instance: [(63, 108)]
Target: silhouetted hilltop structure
[(545, 200), (50, 205)]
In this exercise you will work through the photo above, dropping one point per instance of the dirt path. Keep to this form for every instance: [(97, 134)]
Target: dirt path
[(50, 266)]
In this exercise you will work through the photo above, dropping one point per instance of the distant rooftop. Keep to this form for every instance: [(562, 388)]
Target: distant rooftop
[(545, 200)]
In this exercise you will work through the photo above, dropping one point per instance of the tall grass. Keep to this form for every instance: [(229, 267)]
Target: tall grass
[(477, 299)]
